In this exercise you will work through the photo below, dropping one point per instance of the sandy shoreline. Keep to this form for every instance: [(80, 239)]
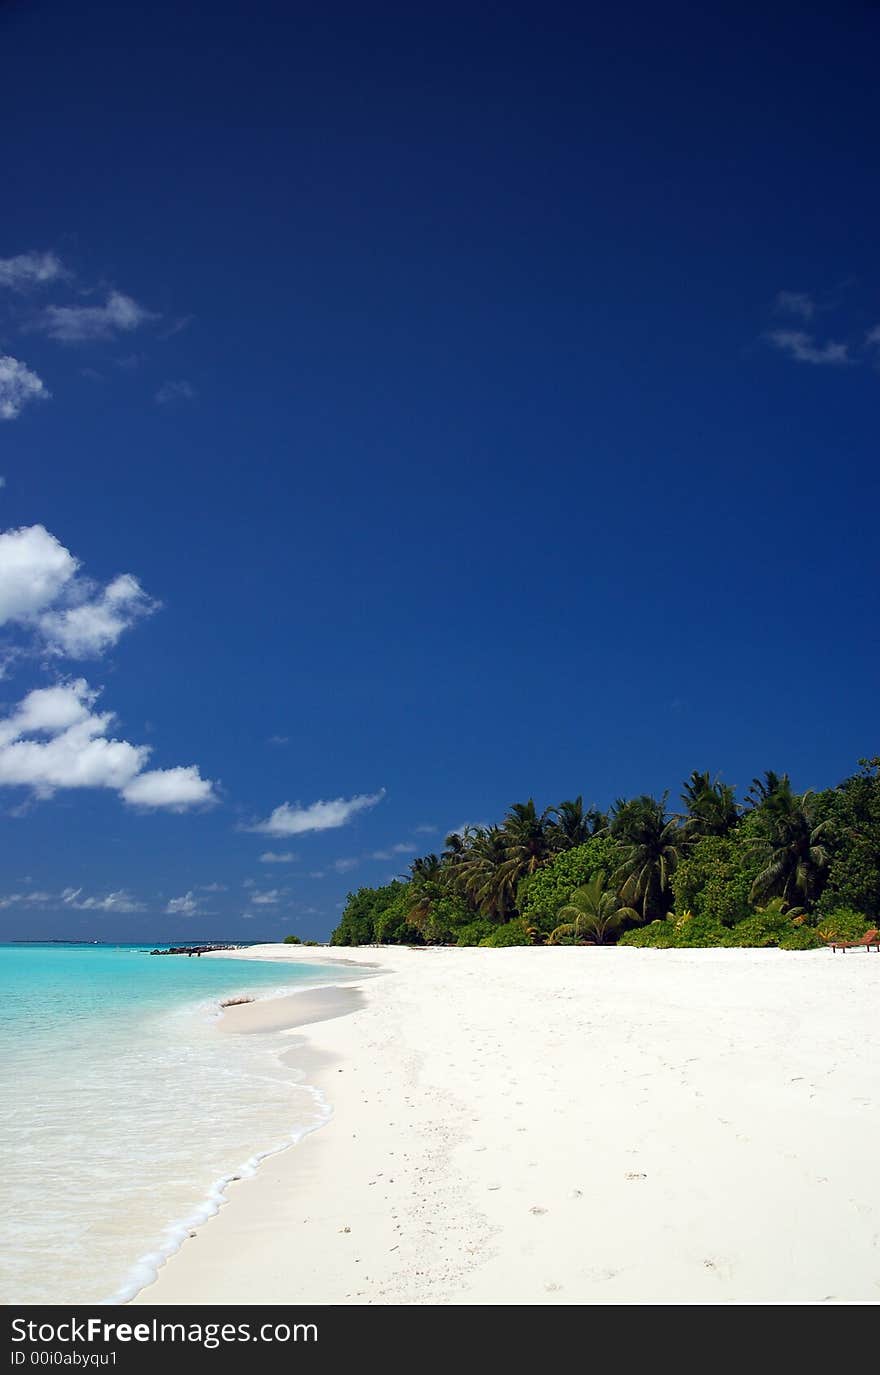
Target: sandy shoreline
[(566, 1126)]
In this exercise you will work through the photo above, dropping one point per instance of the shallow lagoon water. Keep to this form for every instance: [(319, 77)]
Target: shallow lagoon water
[(123, 1112)]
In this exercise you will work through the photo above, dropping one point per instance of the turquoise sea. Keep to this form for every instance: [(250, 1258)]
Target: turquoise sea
[(124, 1112)]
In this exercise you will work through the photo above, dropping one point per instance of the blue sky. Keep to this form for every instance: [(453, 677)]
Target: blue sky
[(425, 407)]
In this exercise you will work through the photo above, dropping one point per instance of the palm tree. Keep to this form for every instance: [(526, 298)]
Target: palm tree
[(592, 914), (573, 824), (763, 789), (650, 847), (526, 835), (711, 808), (527, 844), (482, 876), (792, 841)]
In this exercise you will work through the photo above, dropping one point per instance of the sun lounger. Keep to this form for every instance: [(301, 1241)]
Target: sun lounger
[(871, 939)]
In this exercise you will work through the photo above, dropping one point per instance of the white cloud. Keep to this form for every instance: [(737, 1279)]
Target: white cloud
[(795, 303), (184, 906), (34, 568), (804, 349), (343, 866), (41, 588), (30, 269), (119, 901), (404, 848), (268, 899), (21, 899), (177, 789), (213, 887), (873, 335), (87, 630), (276, 857), (288, 820), (18, 386), (169, 392), (54, 740), (81, 324)]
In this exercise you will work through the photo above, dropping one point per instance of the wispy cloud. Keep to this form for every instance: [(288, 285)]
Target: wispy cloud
[(266, 899), (295, 819), (120, 314), (119, 901), (795, 303), (343, 866), (804, 349), (28, 270), (33, 899), (278, 740), (213, 887), (278, 857), (403, 848), (171, 392), (184, 906), (18, 386)]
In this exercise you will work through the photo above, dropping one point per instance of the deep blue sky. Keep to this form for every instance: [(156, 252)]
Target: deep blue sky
[(487, 479)]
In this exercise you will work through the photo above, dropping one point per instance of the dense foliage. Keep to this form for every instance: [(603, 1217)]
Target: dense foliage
[(779, 868)]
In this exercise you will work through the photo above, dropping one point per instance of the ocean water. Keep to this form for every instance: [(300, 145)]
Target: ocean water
[(124, 1112)]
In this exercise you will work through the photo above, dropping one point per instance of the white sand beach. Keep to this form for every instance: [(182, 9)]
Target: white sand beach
[(566, 1126)]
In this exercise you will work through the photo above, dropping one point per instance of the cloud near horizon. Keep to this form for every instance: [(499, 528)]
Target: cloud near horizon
[(295, 819), (184, 906), (53, 740), (43, 590), (119, 901)]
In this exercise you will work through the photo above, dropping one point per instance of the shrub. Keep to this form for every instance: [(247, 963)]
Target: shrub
[(714, 879), (800, 938), (512, 933), (697, 930), (657, 935), (475, 932), (540, 896), (293, 940), (843, 924)]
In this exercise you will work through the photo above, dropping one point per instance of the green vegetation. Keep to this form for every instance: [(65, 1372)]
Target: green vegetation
[(292, 940), (780, 868)]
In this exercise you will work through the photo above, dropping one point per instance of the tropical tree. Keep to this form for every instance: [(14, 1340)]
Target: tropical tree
[(650, 847), (710, 805), (526, 838), (593, 914), (573, 824), (791, 841), (763, 789), (482, 875)]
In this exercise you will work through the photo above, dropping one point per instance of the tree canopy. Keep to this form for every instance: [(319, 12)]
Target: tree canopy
[(780, 867)]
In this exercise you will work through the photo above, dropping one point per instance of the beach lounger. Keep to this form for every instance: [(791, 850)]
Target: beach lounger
[(871, 939)]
